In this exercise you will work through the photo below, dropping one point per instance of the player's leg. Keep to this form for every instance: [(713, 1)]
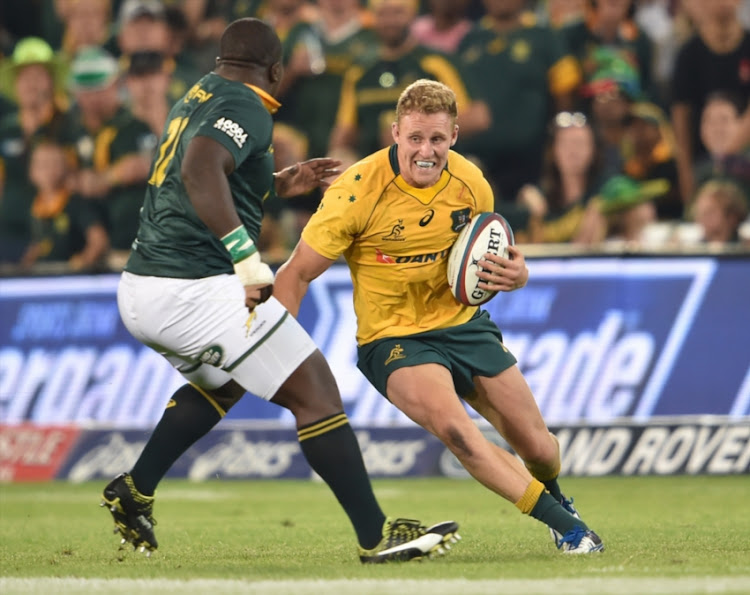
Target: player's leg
[(426, 395), (290, 371), (506, 401)]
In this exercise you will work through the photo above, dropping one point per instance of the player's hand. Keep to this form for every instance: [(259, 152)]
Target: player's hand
[(257, 294), (503, 274), (305, 176)]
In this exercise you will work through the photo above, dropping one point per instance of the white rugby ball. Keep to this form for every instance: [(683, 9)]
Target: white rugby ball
[(486, 232)]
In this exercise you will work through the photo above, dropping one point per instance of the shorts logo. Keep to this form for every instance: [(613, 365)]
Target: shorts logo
[(212, 355), (396, 230), (249, 323), (460, 219), (396, 353), (233, 130)]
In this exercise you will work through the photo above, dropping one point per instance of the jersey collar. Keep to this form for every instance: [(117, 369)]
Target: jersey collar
[(268, 102)]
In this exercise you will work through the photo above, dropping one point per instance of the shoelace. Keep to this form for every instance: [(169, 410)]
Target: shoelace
[(403, 530), (573, 537)]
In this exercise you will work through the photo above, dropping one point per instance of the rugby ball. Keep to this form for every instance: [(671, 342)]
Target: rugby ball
[(486, 232)]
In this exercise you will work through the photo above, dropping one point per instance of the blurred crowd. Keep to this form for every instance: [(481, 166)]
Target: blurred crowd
[(623, 123)]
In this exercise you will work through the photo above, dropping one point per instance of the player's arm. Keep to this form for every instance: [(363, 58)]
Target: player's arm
[(295, 275), (204, 171)]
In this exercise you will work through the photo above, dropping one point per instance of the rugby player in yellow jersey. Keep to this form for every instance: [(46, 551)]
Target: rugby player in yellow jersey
[(394, 216)]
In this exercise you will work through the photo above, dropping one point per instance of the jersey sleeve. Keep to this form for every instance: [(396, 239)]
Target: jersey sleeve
[(241, 127), (341, 216)]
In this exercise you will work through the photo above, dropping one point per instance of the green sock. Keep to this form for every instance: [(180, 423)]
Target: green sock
[(553, 488), (551, 513), (189, 416), (332, 450)]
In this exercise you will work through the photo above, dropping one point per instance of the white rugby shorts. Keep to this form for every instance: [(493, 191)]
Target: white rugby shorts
[(204, 329)]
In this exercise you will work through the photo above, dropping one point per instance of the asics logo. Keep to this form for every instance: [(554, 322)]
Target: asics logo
[(427, 218)]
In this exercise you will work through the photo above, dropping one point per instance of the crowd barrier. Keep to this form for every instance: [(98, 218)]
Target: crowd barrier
[(640, 364)]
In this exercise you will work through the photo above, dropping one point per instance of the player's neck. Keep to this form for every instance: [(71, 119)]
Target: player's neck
[(241, 74)]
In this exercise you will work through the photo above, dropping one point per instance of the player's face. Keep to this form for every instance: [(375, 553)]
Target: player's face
[(423, 144)]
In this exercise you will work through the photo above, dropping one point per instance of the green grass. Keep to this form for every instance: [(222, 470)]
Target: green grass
[(267, 530)]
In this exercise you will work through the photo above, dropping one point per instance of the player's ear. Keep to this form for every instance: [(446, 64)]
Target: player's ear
[(454, 138), (394, 132), (275, 72)]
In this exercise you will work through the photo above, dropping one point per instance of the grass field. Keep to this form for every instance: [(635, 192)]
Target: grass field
[(663, 535)]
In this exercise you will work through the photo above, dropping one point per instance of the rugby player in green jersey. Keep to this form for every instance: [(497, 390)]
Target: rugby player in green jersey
[(195, 290), (394, 216)]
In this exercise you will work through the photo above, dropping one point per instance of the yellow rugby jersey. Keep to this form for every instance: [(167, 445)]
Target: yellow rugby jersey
[(396, 240)]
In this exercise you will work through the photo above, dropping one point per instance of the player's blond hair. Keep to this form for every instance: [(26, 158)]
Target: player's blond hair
[(427, 97)]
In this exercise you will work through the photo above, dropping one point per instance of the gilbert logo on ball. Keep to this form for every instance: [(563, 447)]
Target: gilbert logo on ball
[(486, 232)]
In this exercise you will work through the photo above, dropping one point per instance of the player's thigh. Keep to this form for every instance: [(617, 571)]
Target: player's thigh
[(506, 401), (426, 394)]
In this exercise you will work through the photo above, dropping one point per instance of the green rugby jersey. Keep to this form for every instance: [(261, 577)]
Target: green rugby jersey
[(517, 73), (172, 240), (369, 93)]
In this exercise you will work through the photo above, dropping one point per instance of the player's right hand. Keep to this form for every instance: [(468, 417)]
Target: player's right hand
[(252, 272), (255, 294)]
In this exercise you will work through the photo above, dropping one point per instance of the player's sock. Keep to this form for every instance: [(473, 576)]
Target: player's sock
[(189, 415), (332, 450), (553, 488), (536, 502)]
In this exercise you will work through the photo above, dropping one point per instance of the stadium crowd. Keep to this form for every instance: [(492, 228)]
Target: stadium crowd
[(616, 123)]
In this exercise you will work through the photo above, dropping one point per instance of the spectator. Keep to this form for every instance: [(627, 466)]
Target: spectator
[(147, 80), (369, 92), (444, 26), (720, 121), (185, 71), (649, 155), (87, 22), (609, 95), (621, 211), (717, 58), (571, 176), (560, 13), (720, 208), (29, 77), (607, 30), (141, 26), (114, 148), (64, 228), (345, 40), (525, 74)]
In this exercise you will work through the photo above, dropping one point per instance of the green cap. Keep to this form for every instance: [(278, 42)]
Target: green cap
[(93, 68), (622, 192), (29, 51), (611, 71)]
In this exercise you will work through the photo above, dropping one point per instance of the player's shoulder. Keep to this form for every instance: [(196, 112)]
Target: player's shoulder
[(371, 174), (464, 169)]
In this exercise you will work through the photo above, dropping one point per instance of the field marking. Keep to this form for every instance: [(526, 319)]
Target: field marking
[(684, 585)]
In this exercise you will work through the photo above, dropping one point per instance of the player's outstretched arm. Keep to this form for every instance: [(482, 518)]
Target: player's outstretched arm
[(295, 275), (503, 274)]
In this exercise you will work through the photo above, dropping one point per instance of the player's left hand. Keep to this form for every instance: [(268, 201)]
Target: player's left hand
[(305, 176), (503, 274)]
